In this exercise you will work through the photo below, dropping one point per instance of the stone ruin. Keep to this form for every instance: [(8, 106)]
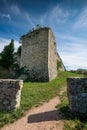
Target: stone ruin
[(77, 95), (10, 94), (39, 54)]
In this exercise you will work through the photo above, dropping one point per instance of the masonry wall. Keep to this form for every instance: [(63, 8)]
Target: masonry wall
[(35, 49), (52, 56), (35, 54), (10, 94), (77, 95)]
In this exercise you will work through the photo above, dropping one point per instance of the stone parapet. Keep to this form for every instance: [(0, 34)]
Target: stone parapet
[(77, 95), (10, 94)]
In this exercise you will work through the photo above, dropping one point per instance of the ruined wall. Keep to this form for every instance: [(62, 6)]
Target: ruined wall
[(77, 95), (39, 54), (10, 92), (52, 56), (35, 54)]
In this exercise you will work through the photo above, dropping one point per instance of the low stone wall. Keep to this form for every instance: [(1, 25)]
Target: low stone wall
[(10, 93), (77, 95)]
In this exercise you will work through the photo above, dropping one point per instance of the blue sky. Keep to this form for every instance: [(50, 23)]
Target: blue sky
[(67, 18)]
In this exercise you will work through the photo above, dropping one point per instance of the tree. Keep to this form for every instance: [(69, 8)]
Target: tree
[(8, 55), (19, 51)]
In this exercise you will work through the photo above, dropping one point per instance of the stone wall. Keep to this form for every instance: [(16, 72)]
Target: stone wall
[(39, 54), (52, 56), (10, 92), (35, 54), (77, 95)]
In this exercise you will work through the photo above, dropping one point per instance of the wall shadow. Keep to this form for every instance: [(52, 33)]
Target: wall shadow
[(55, 115), (68, 115), (45, 116)]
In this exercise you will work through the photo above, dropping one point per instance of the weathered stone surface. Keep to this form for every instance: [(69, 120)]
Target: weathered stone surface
[(62, 67), (39, 54), (10, 92), (77, 95)]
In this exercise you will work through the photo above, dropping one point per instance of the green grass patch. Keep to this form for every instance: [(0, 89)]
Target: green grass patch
[(34, 94)]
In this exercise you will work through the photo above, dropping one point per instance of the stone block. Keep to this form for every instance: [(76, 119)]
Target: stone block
[(10, 94), (77, 95)]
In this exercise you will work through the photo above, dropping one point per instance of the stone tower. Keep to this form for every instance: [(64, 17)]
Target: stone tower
[(39, 54)]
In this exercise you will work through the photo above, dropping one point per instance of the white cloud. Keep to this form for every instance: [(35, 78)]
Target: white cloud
[(81, 20), (29, 19), (15, 9), (71, 39), (73, 53), (56, 15), (7, 16), (4, 42)]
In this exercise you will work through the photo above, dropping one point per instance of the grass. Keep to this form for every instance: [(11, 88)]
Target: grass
[(34, 94)]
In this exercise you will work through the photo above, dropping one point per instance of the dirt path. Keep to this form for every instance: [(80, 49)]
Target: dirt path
[(44, 117)]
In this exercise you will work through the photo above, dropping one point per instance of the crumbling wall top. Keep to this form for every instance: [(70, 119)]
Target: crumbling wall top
[(34, 32)]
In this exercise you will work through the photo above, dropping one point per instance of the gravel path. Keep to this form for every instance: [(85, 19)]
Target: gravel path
[(44, 117)]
